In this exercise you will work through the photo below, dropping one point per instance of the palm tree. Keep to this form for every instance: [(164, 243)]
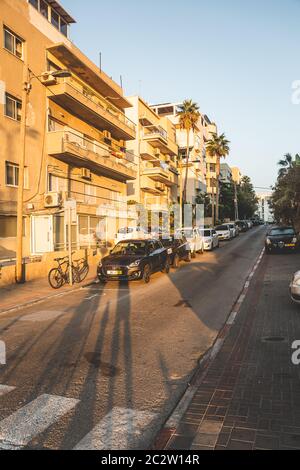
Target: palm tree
[(286, 164), (188, 117), (218, 146)]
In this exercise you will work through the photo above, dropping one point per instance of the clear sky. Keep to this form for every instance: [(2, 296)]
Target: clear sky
[(236, 58)]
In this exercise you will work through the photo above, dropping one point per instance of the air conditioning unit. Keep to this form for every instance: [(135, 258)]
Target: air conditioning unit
[(160, 186), (52, 200), (86, 173), (48, 79)]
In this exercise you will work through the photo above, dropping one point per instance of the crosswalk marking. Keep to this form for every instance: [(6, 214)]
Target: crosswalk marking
[(42, 315), (18, 429), (5, 389), (121, 428)]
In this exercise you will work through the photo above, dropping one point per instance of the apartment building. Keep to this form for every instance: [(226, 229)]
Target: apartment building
[(264, 212), (211, 162), (76, 135), (236, 175), (156, 186), (196, 180), (225, 173)]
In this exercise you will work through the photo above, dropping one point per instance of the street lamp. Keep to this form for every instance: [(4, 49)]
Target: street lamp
[(28, 76)]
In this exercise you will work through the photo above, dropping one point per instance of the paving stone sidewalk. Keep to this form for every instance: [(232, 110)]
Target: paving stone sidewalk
[(17, 295), (249, 397)]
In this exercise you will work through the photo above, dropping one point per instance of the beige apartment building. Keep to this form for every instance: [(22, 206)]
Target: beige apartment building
[(76, 138), (156, 185), (211, 162), (236, 175), (196, 180)]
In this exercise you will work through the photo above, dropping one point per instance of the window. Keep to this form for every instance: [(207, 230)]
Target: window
[(55, 19), (34, 3), (44, 9), (13, 107), (8, 226), (63, 27), (57, 184), (13, 43), (89, 194), (12, 175), (58, 232)]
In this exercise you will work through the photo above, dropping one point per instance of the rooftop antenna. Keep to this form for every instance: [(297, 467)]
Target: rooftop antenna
[(121, 81)]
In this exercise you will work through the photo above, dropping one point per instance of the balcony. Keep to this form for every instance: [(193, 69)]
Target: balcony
[(157, 174), (91, 107), (74, 149)]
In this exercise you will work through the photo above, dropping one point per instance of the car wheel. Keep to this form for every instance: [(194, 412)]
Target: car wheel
[(193, 254), (268, 251), (176, 262), (146, 274), (102, 281), (188, 258)]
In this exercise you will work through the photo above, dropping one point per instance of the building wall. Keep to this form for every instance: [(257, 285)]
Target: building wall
[(98, 196)]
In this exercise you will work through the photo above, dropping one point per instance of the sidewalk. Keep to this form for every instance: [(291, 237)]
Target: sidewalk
[(249, 396), (18, 295)]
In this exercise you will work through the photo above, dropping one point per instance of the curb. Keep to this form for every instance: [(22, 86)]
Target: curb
[(47, 297), (170, 426)]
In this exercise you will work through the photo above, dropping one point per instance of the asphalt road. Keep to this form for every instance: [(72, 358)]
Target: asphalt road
[(105, 366)]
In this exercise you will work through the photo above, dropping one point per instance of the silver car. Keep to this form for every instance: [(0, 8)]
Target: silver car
[(224, 232), (295, 288)]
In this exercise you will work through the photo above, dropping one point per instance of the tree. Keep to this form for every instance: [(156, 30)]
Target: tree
[(226, 208), (247, 199), (285, 200), (218, 146), (188, 117)]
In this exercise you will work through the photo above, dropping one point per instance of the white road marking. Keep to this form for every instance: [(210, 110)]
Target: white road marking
[(241, 298), (18, 429), (216, 347), (120, 429), (231, 318), (42, 315), (92, 296), (5, 389)]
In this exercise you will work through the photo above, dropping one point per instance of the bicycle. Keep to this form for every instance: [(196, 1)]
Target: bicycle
[(58, 276), (82, 268)]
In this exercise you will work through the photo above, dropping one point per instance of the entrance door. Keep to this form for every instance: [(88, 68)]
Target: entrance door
[(41, 234)]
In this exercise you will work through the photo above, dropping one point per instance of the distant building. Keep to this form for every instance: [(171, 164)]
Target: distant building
[(264, 211), (225, 173)]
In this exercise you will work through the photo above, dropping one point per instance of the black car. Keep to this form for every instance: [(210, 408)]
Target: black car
[(133, 260), (281, 238), (242, 224), (178, 249)]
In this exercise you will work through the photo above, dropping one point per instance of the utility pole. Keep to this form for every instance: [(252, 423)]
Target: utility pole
[(25, 92), (236, 207)]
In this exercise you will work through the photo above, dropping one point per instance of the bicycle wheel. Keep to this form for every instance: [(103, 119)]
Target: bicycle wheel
[(55, 278), (83, 272)]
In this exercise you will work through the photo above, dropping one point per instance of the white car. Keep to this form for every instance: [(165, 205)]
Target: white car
[(211, 239), (224, 232), (194, 238), (128, 233), (234, 229), (295, 288)]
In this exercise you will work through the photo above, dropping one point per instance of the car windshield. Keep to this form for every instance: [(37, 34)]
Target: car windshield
[(207, 233), (130, 248), (282, 231), (222, 227)]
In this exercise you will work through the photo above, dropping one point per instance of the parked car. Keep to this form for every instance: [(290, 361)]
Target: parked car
[(224, 232), (129, 233), (243, 226), (194, 238), (281, 238), (295, 288), (132, 260), (211, 239), (250, 224), (178, 249), (234, 228)]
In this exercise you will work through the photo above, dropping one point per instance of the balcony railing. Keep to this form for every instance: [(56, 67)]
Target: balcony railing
[(98, 100), (114, 159), (156, 131)]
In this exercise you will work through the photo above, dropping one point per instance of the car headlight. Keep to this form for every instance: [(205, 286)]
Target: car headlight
[(294, 240), (296, 279), (135, 263), (99, 264), (268, 241)]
